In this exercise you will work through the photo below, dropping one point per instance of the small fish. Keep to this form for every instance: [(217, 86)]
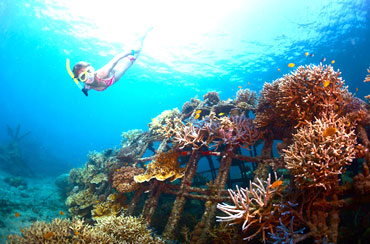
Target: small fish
[(61, 212), (249, 83), (17, 214), (184, 153), (126, 164), (220, 114), (240, 87), (76, 233), (323, 59), (326, 83), (147, 191), (333, 61), (276, 184), (329, 131), (198, 111), (349, 124), (117, 170), (356, 89), (278, 69), (22, 230), (96, 201), (291, 65), (312, 55), (306, 54), (48, 235), (197, 116), (190, 124)]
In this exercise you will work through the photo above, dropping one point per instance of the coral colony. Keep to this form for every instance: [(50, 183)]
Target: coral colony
[(312, 191)]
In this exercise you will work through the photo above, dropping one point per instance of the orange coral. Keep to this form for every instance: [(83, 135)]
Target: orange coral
[(300, 96), (123, 179), (367, 78), (315, 159), (165, 166)]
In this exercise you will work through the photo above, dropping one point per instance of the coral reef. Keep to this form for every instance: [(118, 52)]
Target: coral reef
[(165, 166), (324, 133), (367, 78), (254, 207), (159, 121), (123, 179), (297, 98), (316, 158), (121, 229)]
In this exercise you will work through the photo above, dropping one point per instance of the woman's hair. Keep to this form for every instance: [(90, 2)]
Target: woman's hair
[(79, 66)]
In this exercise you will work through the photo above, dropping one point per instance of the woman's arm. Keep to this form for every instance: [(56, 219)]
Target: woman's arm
[(106, 69)]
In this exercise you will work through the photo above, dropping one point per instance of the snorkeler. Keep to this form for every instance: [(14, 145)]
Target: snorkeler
[(110, 73)]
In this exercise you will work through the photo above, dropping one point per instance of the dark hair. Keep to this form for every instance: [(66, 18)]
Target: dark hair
[(79, 66)]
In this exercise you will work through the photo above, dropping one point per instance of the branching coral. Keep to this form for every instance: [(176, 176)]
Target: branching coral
[(165, 166), (246, 100), (122, 229), (160, 120), (320, 151), (130, 136), (234, 130), (299, 97), (254, 207), (367, 78), (211, 98), (123, 179)]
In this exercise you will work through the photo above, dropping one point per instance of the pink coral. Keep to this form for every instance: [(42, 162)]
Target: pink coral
[(320, 151)]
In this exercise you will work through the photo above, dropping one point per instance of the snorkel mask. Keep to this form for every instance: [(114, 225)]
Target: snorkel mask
[(84, 90), (87, 74)]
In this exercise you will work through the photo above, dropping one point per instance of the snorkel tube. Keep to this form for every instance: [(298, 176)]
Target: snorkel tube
[(74, 79)]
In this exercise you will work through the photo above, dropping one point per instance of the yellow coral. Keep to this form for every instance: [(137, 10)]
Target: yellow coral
[(165, 166)]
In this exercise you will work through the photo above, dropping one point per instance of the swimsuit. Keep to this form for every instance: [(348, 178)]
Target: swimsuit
[(108, 82)]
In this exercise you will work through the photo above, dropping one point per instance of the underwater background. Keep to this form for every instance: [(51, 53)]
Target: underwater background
[(195, 47)]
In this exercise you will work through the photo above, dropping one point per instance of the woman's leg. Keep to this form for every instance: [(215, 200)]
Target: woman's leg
[(127, 62)]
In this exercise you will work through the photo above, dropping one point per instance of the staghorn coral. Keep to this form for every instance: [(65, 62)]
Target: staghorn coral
[(315, 158), (211, 98), (129, 137), (123, 179), (164, 166), (254, 207), (246, 100), (112, 229), (367, 78), (298, 97), (160, 120)]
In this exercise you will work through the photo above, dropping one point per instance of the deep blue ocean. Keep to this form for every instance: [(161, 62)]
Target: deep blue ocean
[(194, 47)]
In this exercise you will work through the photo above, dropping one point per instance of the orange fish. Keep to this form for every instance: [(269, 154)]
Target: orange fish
[(276, 184), (117, 170), (21, 229), (61, 212), (326, 83), (48, 235), (76, 233), (278, 69), (198, 111), (333, 61), (306, 54), (291, 65), (240, 87), (330, 131), (17, 214), (197, 116), (356, 89)]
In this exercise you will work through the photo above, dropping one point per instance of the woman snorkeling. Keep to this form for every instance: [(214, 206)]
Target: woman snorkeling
[(110, 73)]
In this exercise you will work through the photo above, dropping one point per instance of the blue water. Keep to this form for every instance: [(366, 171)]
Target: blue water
[(194, 48)]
